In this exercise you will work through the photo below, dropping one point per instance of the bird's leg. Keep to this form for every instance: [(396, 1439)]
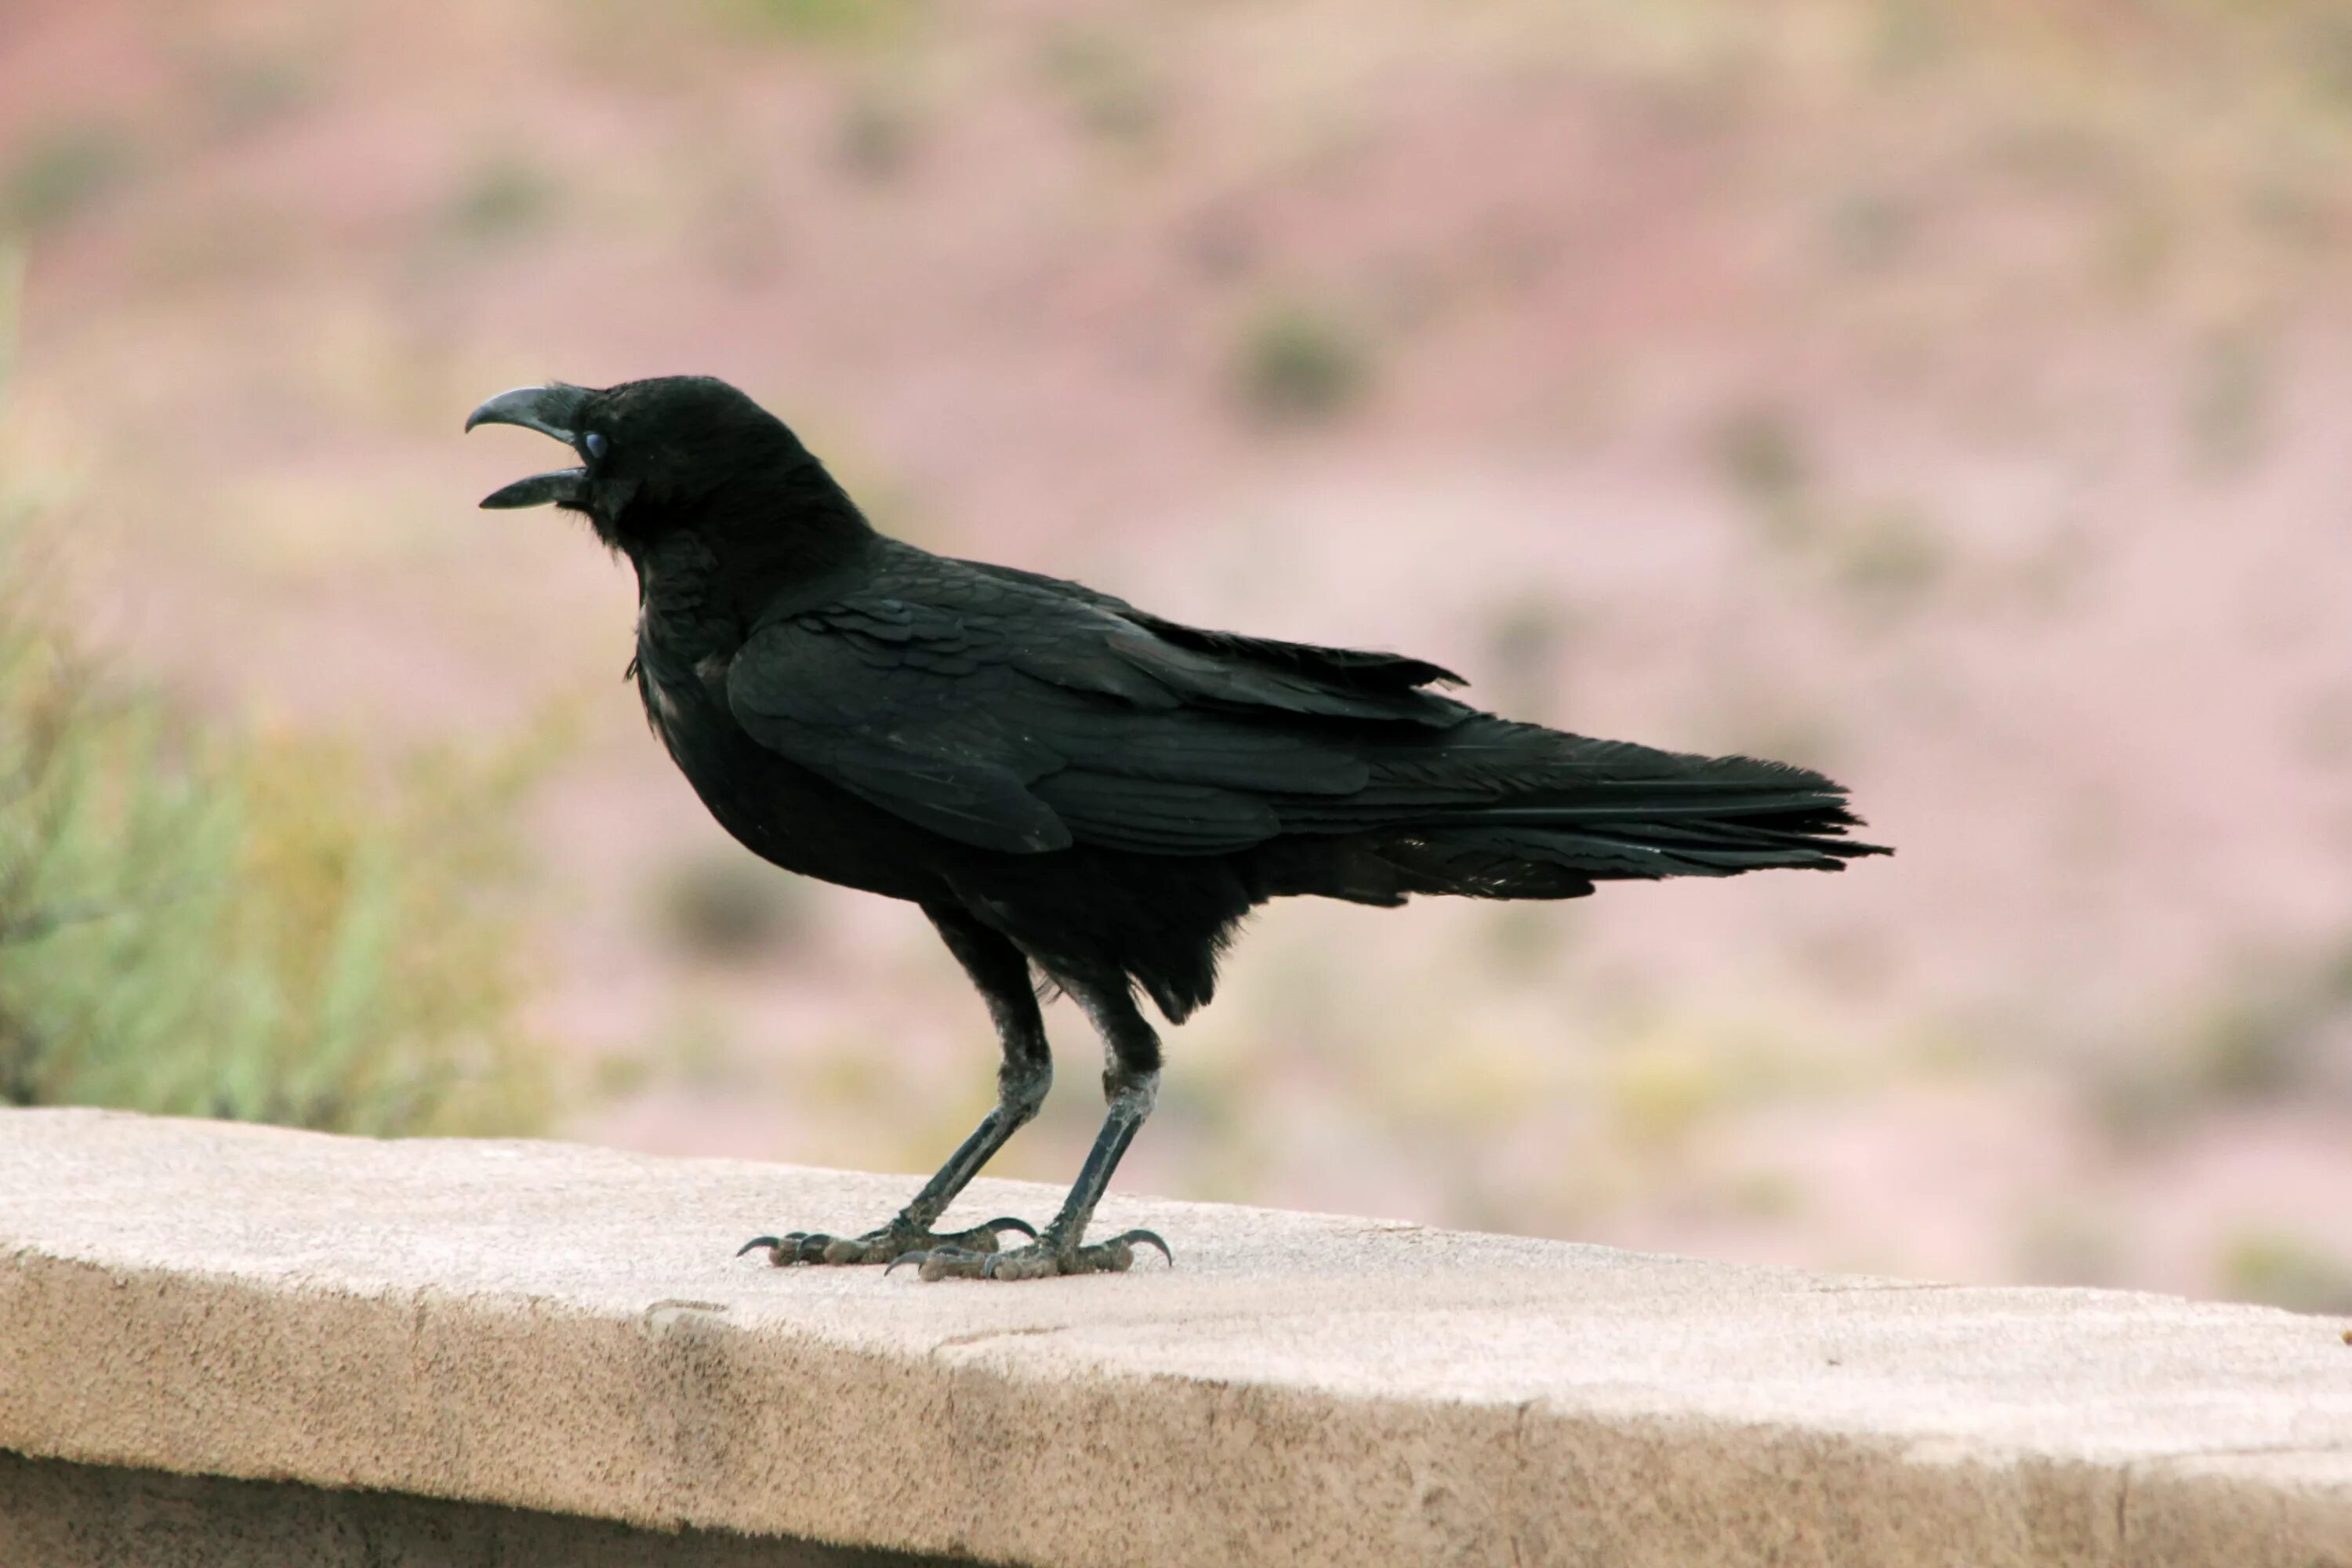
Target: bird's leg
[(1001, 972), (1130, 1084)]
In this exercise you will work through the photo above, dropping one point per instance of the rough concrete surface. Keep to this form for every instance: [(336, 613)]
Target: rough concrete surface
[(59, 1515), (566, 1330)]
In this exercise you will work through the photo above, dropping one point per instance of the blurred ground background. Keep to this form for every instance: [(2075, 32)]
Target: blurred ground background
[(1951, 397)]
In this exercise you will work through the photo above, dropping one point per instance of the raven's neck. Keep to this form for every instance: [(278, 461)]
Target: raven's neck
[(701, 591), (761, 537), (777, 526)]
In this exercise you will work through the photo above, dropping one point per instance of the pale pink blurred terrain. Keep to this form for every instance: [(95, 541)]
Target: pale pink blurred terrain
[(1958, 398)]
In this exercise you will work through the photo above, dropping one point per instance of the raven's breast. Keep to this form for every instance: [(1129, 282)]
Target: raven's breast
[(778, 810)]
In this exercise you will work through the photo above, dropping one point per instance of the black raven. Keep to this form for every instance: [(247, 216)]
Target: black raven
[(1070, 785)]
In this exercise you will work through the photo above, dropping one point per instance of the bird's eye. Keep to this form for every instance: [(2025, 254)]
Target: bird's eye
[(596, 445)]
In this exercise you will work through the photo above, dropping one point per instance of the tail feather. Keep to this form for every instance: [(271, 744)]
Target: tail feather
[(1511, 811)]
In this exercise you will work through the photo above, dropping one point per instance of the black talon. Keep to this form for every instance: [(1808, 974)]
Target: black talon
[(1147, 1238), (941, 1258), (901, 1239)]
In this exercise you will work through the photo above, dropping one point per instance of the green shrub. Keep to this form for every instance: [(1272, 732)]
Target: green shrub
[(1761, 454), (60, 172), (2285, 1271), (500, 199), (1111, 91), (1298, 366), (824, 22), (251, 927)]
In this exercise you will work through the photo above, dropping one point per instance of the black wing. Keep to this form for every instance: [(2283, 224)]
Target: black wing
[(1355, 668), (1021, 714)]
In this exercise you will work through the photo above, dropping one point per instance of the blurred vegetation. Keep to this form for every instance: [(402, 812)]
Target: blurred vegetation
[(2275, 1030), (1110, 89), (2285, 1271), (729, 908), (2230, 392), (1876, 554), (1760, 454), (499, 200), (824, 22), (60, 172), (1297, 365), (248, 927), (876, 135)]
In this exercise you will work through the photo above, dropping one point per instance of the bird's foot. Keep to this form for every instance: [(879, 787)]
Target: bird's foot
[(1041, 1259), (890, 1243)]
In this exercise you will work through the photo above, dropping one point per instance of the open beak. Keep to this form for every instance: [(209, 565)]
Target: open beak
[(552, 411)]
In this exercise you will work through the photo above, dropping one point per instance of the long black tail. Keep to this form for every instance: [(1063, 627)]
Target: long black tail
[(1501, 810)]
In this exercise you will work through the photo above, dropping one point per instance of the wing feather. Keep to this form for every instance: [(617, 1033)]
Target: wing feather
[(1019, 714)]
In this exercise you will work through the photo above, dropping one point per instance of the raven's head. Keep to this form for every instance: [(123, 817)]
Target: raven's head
[(653, 455)]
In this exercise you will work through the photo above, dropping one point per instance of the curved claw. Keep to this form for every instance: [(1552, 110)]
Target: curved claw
[(963, 1248), (951, 1263), (1148, 1239)]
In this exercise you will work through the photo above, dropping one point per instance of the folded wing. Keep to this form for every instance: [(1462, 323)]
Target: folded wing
[(1019, 714)]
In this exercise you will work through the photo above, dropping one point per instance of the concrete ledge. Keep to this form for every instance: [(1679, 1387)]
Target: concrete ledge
[(59, 1515), (564, 1330)]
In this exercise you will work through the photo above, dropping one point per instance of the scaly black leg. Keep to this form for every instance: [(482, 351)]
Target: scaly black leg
[(1001, 972), (1130, 1084)]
